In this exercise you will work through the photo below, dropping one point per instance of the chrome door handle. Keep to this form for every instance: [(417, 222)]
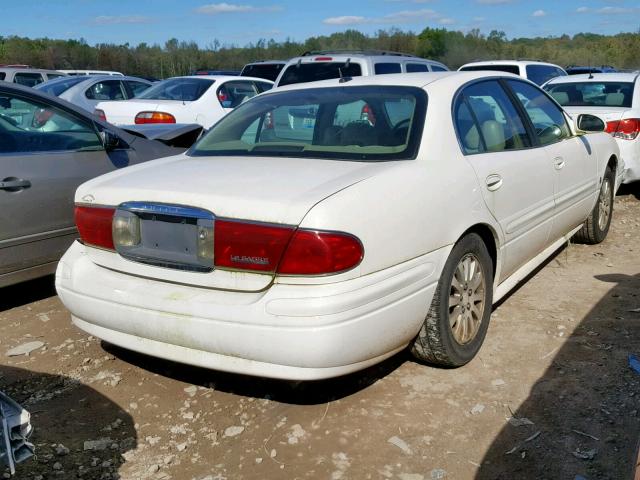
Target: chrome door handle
[(13, 184), (494, 182), (558, 163)]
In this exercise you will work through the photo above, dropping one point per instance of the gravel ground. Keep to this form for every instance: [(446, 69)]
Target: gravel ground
[(550, 395)]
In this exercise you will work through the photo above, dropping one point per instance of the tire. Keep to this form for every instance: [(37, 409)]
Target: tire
[(595, 228), (442, 340)]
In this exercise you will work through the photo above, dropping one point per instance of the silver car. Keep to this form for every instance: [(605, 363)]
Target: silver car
[(87, 92), (47, 148)]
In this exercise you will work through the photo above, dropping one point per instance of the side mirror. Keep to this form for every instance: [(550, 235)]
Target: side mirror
[(589, 123), (110, 141)]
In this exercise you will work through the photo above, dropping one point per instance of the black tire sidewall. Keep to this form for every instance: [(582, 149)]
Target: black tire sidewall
[(599, 234), (461, 354)]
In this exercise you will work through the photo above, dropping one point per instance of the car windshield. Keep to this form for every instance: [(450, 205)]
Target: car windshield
[(181, 88), (313, 72), (592, 94), (493, 68), (341, 123), (268, 71), (60, 85)]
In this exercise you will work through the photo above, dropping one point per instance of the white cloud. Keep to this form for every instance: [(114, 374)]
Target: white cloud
[(346, 20), (218, 8), (583, 9), (446, 21), (609, 10), (403, 16), (539, 13), (113, 20)]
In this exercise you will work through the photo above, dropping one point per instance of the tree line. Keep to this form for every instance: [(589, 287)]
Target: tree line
[(453, 48)]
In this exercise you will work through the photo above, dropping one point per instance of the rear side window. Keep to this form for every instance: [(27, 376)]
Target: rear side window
[(180, 88), (60, 86), (51, 76), (438, 68), (493, 68), (2, 75), (312, 72), (106, 90), (136, 87), (232, 94), (383, 68), (487, 121), (263, 86), (268, 71), (28, 79), (416, 67), (539, 74)]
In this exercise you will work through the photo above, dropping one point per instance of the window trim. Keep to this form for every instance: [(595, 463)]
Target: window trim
[(460, 93)]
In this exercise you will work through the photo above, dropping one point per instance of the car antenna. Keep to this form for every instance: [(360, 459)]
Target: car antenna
[(590, 70)]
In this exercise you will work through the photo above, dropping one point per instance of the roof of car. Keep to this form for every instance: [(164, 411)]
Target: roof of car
[(267, 62), (31, 70), (596, 77), (377, 54), (509, 62), (419, 80)]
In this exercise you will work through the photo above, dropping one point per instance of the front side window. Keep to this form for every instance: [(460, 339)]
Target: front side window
[(547, 119), (106, 90), (383, 68), (487, 121), (592, 94), (232, 94), (28, 125), (28, 79), (539, 74), (313, 72), (51, 76), (340, 123), (180, 88)]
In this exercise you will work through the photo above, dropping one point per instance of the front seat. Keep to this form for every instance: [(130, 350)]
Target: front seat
[(493, 134)]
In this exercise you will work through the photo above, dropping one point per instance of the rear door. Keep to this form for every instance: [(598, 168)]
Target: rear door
[(516, 179), (575, 163), (45, 153)]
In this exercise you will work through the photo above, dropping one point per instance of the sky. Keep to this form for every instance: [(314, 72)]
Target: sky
[(245, 21)]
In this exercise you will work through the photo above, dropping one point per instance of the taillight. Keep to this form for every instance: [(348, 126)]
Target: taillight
[(249, 246), (626, 129), (283, 249), (100, 113), (94, 225), (323, 59), (222, 96), (313, 252), (154, 117), (367, 115)]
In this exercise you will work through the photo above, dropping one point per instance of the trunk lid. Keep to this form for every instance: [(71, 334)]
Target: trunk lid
[(262, 189)]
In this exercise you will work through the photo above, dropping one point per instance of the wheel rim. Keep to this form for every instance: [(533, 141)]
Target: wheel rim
[(467, 299), (604, 205)]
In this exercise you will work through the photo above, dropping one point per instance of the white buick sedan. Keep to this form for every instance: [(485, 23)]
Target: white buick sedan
[(318, 229)]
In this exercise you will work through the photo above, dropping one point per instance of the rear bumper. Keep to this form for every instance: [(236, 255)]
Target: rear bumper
[(300, 332), (630, 153)]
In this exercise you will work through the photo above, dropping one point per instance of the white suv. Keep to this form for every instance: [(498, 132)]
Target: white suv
[(537, 72), (325, 65)]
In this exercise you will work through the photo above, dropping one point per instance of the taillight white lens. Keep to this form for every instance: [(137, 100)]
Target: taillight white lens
[(126, 230), (628, 129), (205, 242)]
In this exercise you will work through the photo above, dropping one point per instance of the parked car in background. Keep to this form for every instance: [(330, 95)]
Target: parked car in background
[(28, 76), (275, 248), (48, 147), (88, 91), (578, 70), (325, 65), (267, 69), (537, 72), (231, 73), (195, 99), (614, 97), (91, 72)]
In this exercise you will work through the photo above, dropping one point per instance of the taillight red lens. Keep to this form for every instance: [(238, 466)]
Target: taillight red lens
[(94, 225), (367, 115), (628, 129), (323, 59), (249, 246), (612, 126), (154, 117), (100, 113), (318, 253)]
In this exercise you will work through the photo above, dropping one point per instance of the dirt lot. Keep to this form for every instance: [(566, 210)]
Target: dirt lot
[(550, 395)]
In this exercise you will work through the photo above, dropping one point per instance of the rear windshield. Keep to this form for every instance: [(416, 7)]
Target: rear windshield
[(268, 71), (493, 68), (592, 94), (187, 89), (539, 74), (59, 86), (312, 72), (340, 123)]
